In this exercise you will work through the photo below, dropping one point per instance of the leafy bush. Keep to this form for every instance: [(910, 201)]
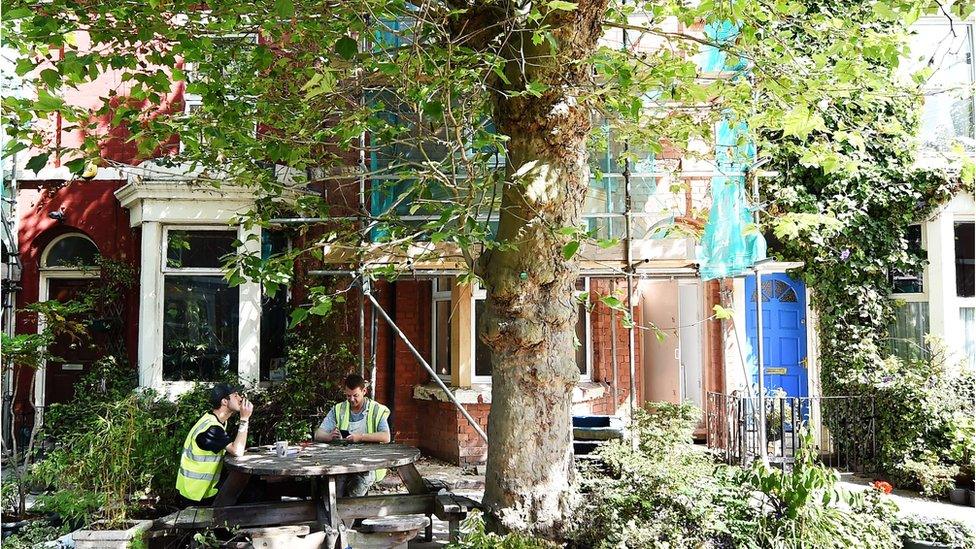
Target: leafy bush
[(671, 494), (474, 536), (291, 409), (35, 534), (799, 507), (667, 494), (117, 453), (949, 532), (925, 429)]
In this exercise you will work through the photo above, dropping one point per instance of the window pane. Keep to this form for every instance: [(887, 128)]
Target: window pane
[(947, 116), (72, 251), (583, 350), (200, 321), (910, 282), (198, 249), (965, 260), (482, 354), (907, 333), (442, 337), (274, 313), (967, 317)]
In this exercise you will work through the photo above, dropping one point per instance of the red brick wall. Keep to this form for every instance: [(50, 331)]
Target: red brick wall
[(601, 318), (447, 435)]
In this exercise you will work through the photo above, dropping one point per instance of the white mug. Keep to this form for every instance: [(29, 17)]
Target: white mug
[(281, 448)]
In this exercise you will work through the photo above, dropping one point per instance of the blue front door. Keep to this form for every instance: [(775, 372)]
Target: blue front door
[(784, 333)]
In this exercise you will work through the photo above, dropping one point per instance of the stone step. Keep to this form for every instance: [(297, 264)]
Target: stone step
[(598, 433)]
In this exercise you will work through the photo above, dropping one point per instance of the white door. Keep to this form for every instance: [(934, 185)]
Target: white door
[(690, 342)]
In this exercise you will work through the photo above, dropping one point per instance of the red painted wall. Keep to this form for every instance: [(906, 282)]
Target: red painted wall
[(90, 208)]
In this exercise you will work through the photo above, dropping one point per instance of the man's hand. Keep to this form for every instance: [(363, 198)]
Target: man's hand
[(335, 434), (247, 407), (355, 437)]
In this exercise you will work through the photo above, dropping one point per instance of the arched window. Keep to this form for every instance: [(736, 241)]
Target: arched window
[(776, 289), (70, 251)]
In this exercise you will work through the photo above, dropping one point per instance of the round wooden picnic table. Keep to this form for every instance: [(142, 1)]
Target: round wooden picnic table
[(322, 463), (322, 459)]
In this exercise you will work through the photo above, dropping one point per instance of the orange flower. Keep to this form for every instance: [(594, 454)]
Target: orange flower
[(881, 486)]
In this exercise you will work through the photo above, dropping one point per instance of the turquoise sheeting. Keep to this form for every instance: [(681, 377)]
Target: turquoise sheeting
[(728, 247)]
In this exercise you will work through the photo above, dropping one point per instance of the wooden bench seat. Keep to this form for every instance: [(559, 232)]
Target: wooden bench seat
[(390, 532)]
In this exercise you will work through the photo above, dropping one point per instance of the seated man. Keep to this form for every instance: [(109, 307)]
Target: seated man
[(207, 442), (366, 421)]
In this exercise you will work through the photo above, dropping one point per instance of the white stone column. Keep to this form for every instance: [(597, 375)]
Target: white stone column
[(151, 306), (249, 313), (941, 271)]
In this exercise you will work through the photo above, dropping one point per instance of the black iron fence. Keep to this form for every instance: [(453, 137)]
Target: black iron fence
[(842, 429)]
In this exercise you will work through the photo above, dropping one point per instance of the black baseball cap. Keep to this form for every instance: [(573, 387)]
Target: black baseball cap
[(221, 391)]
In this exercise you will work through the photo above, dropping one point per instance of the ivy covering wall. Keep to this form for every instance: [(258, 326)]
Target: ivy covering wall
[(847, 221)]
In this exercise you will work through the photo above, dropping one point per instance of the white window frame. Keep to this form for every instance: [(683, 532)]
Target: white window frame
[(166, 271), (479, 293), (190, 271), (47, 250), (923, 296), (960, 301)]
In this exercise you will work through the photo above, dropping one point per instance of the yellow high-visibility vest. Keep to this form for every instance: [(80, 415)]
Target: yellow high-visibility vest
[(199, 468), (374, 413)]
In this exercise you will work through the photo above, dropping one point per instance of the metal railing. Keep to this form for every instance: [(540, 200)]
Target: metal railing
[(842, 428)]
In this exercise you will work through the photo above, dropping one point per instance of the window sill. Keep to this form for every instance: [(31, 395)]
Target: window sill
[(480, 393)]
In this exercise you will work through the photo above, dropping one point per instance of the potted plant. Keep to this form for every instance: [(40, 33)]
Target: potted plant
[(932, 533), (957, 495)]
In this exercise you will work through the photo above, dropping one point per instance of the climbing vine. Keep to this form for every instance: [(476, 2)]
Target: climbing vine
[(847, 221)]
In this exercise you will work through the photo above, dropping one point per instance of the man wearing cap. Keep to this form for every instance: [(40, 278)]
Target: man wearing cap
[(208, 441), (364, 420)]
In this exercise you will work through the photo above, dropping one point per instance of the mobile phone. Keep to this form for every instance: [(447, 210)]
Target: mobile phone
[(343, 433)]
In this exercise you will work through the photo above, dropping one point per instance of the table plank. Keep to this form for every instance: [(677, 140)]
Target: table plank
[(231, 488), (385, 505), (265, 514), (323, 459)]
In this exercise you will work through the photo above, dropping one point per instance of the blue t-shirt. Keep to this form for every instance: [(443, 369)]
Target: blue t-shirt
[(329, 423)]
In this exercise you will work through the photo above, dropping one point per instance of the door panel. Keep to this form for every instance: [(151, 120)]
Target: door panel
[(784, 333), (78, 354)]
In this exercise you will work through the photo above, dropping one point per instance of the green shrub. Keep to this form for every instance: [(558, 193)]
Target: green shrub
[(667, 494), (34, 535), (474, 536), (949, 532), (291, 409), (119, 449), (925, 430)]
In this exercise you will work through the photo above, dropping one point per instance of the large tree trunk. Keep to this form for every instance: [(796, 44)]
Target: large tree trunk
[(530, 313)]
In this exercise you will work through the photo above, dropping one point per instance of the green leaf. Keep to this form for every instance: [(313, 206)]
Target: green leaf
[(434, 109), (800, 122), (38, 162), (284, 8), (721, 313), (570, 249), (51, 78), (47, 102), (76, 166), (347, 48), (297, 316), (13, 147), (536, 89), (18, 13), (562, 5), (612, 302), (323, 307)]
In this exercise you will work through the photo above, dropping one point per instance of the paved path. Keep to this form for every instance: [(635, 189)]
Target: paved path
[(914, 504), (470, 485)]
